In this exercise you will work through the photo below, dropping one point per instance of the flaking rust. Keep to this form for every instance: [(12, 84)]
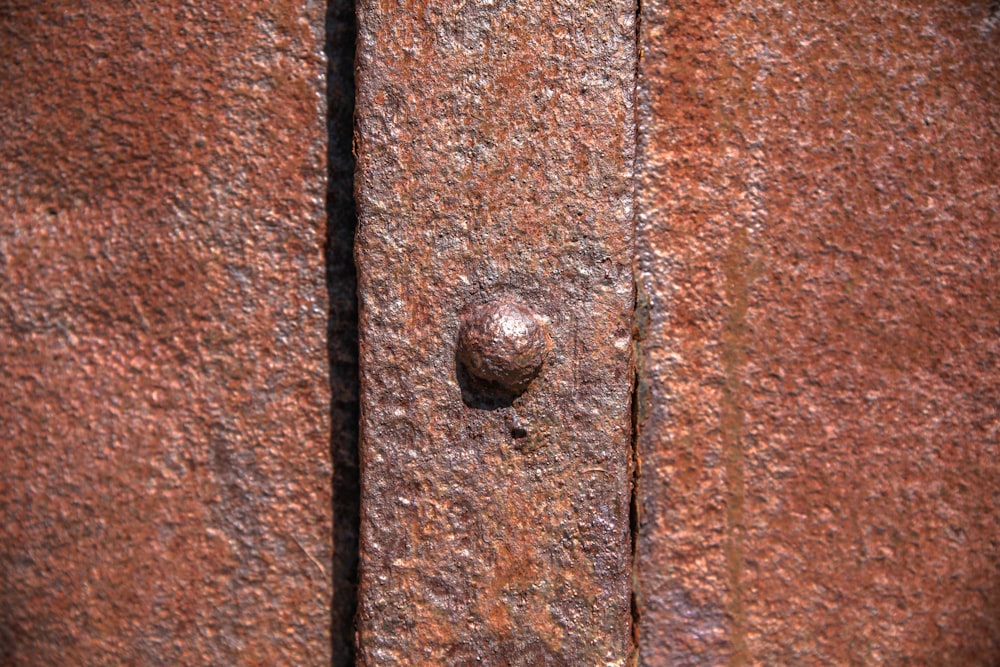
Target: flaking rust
[(495, 161)]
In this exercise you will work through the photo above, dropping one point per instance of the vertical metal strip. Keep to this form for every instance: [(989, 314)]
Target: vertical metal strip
[(495, 146)]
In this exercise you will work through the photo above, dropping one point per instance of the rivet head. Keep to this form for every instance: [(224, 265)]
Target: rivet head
[(502, 344)]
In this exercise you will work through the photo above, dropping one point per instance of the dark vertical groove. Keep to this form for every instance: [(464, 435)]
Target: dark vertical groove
[(342, 328), (640, 413), (638, 333)]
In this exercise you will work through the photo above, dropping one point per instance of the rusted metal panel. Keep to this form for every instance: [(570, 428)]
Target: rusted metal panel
[(818, 251), (495, 147), (164, 394)]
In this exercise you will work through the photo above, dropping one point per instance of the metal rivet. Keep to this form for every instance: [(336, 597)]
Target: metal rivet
[(502, 344)]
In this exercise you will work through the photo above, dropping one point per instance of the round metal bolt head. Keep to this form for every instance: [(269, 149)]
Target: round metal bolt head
[(502, 344)]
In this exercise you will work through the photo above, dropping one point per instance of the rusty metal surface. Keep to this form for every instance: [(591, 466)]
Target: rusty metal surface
[(164, 395), (495, 149), (819, 252), (502, 346)]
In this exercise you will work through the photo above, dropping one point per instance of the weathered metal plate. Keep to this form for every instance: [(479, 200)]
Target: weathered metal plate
[(820, 255), (164, 395), (495, 146)]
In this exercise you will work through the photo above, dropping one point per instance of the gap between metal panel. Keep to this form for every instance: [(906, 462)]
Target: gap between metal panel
[(640, 327), (342, 325)]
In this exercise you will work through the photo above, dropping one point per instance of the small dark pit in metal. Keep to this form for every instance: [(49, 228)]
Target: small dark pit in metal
[(502, 345)]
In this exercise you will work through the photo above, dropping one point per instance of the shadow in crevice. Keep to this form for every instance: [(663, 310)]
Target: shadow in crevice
[(342, 325), (482, 395)]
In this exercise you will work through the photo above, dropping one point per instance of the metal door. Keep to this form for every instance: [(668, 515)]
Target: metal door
[(748, 412)]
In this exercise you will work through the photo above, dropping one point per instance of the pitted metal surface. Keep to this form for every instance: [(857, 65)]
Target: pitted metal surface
[(818, 253), (495, 152), (165, 491)]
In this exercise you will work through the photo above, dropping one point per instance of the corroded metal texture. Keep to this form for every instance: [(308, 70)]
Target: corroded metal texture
[(502, 346), (819, 252), (495, 151), (164, 396)]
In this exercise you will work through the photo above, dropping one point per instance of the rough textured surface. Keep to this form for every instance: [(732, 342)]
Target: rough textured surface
[(164, 395), (495, 153), (502, 346), (820, 255)]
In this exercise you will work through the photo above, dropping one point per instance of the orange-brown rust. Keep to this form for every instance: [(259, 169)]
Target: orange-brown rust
[(819, 237), (164, 396)]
